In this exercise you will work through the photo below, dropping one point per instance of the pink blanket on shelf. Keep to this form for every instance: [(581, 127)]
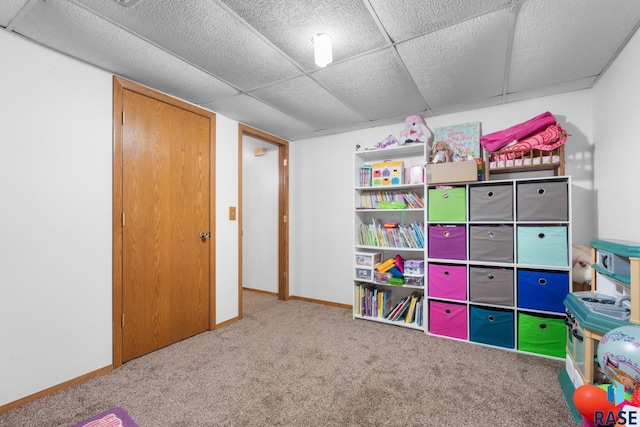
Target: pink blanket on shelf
[(497, 140), (547, 140)]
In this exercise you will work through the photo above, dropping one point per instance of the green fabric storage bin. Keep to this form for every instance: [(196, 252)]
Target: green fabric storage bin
[(447, 204), (542, 334)]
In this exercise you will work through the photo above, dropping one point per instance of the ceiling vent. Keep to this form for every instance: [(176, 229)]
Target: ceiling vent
[(127, 3)]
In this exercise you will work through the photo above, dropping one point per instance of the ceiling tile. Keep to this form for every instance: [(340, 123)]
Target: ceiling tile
[(9, 9), (374, 85), (291, 24), (557, 41), (446, 55), (252, 112), (462, 62), (417, 17), (468, 105), (78, 33), (537, 92), (205, 34), (304, 98)]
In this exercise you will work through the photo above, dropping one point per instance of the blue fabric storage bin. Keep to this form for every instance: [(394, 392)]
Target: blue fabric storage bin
[(543, 245), (542, 290), (492, 326)]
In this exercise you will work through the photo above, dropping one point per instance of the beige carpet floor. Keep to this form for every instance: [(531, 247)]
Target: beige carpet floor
[(297, 363)]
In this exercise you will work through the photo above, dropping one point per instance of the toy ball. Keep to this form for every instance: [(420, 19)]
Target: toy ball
[(619, 356), (590, 399)]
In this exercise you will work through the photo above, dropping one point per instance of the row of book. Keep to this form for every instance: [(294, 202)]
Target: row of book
[(374, 302), (373, 199), (399, 236), (366, 174)]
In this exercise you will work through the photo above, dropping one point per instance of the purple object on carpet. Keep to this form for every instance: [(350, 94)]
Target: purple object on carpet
[(115, 417)]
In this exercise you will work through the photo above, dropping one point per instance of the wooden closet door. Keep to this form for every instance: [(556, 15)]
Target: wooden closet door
[(166, 170)]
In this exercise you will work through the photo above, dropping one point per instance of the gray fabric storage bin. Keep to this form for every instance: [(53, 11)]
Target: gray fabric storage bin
[(491, 243), (491, 285), (542, 201), (491, 202)]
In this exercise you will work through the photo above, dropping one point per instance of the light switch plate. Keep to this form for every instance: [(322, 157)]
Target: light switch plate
[(232, 213)]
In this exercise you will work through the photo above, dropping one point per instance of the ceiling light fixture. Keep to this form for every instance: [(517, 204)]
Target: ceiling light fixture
[(322, 49)]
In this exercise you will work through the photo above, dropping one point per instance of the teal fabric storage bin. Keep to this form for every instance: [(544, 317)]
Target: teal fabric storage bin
[(447, 204), (544, 245), (492, 326)]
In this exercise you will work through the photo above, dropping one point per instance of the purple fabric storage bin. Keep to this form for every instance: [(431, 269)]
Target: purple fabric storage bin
[(447, 281), (448, 242), (448, 319)]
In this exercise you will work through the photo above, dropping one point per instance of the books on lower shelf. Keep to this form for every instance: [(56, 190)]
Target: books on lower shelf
[(403, 236), (374, 302), (377, 199)]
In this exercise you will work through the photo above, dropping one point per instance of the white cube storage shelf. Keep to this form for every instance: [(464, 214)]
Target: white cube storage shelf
[(494, 267), (513, 272)]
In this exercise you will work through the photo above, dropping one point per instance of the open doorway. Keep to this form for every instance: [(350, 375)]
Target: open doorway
[(263, 214)]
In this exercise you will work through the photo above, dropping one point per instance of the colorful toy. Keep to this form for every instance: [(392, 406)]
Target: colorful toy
[(400, 263), (386, 266), (388, 172), (619, 356), (589, 400), (415, 130), (395, 272), (389, 141), (635, 399)]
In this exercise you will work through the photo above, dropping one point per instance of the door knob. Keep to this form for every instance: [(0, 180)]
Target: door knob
[(205, 236)]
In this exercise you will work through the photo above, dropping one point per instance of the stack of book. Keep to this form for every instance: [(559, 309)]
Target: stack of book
[(402, 236), (373, 302), (374, 199)]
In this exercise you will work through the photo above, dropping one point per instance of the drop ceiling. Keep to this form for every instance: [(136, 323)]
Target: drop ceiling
[(252, 60)]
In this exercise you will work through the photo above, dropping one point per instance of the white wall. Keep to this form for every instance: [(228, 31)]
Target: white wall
[(55, 221), (322, 185), (260, 187), (226, 234), (616, 106)]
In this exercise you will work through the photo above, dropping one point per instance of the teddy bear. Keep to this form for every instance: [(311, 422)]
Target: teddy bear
[(581, 266), (415, 130)]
